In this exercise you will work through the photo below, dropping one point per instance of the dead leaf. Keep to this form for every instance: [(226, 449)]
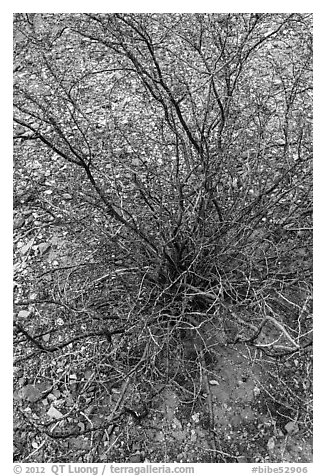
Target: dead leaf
[(30, 393)]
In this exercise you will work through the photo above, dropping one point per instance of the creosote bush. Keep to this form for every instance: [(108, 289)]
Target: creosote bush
[(187, 138)]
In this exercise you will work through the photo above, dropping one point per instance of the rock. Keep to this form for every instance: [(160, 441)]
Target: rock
[(18, 223), (136, 458), (193, 437), (81, 426), (176, 424), (159, 436), (18, 372), (195, 417), (27, 212), (67, 196), (291, 427), (54, 413), (256, 391), (179, 435), (56, 393), (44, 247), (24, 314), (51, 397), (24, 249), (271, 444), (242, 459)]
